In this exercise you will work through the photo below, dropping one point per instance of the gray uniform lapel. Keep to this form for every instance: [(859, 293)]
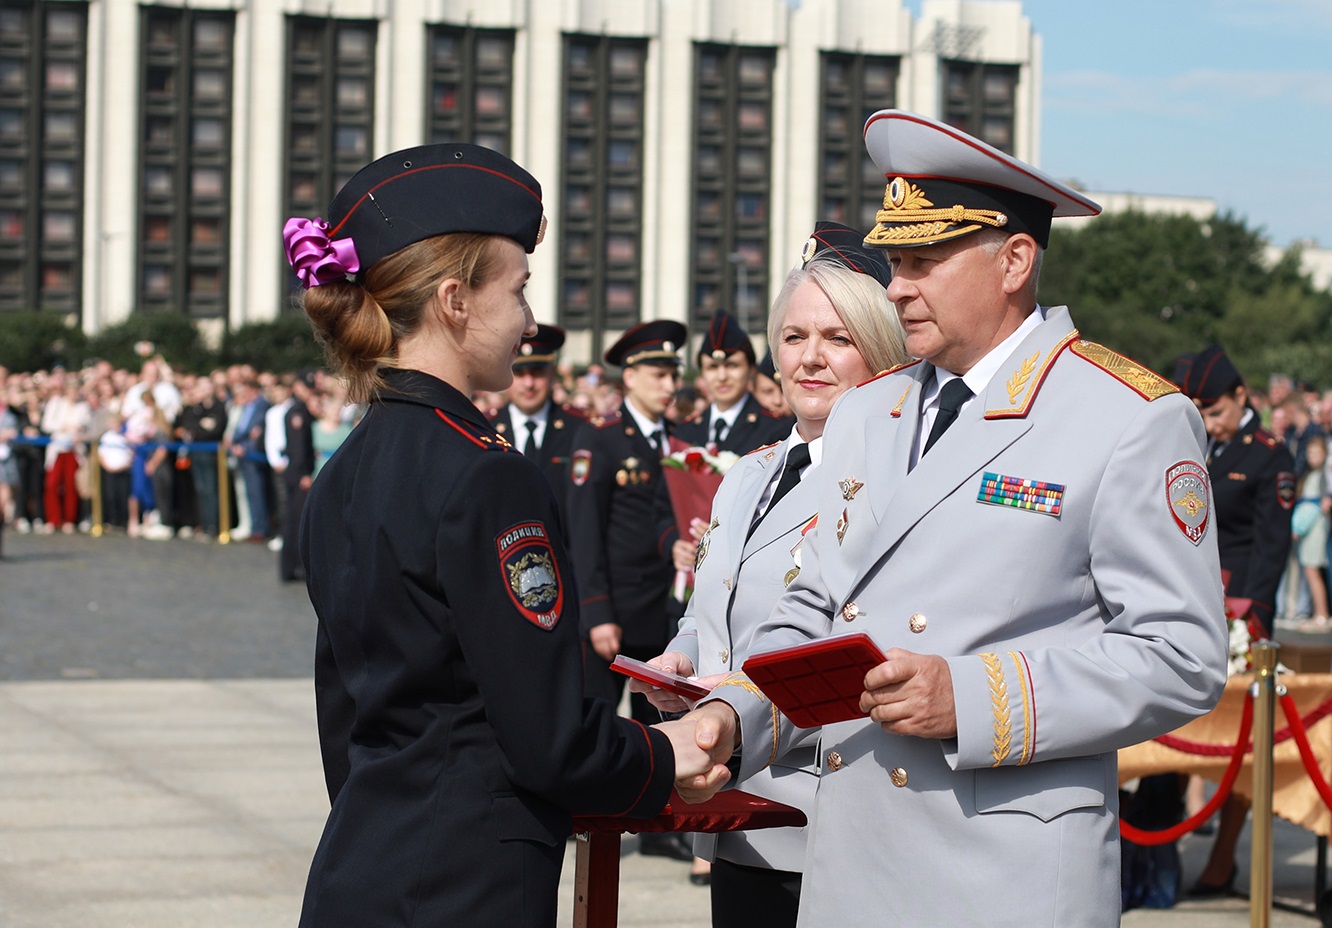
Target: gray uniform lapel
[(991, 423), (791, 510), (757, 473)]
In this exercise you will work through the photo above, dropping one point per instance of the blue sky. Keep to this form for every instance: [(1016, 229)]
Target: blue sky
[(1227, 99)]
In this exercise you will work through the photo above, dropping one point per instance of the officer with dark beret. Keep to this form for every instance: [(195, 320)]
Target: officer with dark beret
[(1253, 481), (1253, 492), (616, 496), (768, 386), (532, 421), (448, 669), (735, 421)]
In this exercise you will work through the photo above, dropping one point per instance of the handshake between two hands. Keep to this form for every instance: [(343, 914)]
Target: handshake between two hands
[(703, 740), (907, 694)]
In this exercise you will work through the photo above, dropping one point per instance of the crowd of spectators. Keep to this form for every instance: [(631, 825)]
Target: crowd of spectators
[(153, 436), (138, 452), (1300, 416)]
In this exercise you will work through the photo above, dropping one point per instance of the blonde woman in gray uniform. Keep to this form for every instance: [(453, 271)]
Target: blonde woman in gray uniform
[(831, 327)]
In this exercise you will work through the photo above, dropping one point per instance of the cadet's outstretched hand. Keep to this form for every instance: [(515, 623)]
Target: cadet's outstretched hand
[(911, 694)]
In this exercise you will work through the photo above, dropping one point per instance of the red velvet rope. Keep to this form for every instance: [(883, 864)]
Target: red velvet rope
[(1306, 752), (1175, 832), (1202, 748)]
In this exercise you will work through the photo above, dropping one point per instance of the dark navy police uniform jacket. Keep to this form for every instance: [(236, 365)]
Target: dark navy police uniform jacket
[(448, 677)]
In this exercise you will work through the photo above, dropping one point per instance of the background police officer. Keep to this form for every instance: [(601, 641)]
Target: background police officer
[(540, 428), (735, 421)]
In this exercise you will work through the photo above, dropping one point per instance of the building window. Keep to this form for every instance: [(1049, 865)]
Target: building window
[(732, 180), (43, 79), (853, 88), (184, 159), (330, 115), (981, 99), (601, 220), (469, 94)]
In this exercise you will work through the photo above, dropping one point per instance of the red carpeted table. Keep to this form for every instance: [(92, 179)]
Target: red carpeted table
[(597, 866)]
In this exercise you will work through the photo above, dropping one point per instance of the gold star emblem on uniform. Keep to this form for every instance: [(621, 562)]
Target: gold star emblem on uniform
[(843, 523), (752, 417), (703, 544), (558, 423), (850, 487), (770, 455), (500, 427)]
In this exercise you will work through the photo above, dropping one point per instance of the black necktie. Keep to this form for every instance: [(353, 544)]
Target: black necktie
[(797, 459), (718, 432), (655, 441), (951, 398), (530, 446)]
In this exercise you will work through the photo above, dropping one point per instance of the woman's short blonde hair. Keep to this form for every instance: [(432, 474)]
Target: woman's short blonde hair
[(861, 303)]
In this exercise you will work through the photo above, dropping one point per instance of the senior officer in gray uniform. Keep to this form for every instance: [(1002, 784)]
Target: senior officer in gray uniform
[(833, 328), (1022, 521)]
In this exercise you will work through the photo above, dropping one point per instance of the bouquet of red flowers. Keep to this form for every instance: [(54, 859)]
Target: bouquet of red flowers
[(692, 476)]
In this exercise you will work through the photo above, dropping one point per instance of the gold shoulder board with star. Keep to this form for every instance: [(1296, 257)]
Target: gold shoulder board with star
[(1147, 383)]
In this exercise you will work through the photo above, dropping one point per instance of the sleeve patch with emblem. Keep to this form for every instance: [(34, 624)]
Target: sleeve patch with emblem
[(1285, 489), (1188, 493), (581, 467), (527, 564)]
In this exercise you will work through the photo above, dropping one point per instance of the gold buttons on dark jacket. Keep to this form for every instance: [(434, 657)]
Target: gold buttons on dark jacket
[(917, 623), (898, 775), (834, 761)]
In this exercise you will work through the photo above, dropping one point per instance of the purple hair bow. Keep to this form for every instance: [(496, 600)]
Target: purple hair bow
[(315, 258)]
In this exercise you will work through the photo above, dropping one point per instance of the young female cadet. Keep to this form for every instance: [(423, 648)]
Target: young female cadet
[(448, 672)]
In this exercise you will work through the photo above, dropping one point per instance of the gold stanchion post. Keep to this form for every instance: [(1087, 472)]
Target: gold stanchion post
[(1264, 688), (95, 468), (223, 496)]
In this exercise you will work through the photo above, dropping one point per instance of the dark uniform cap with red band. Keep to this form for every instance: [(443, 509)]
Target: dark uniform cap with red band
[(724, 337), (1206, 376), (943, 184), (656, 342), (847, 246), (418, 193), (541, 349)]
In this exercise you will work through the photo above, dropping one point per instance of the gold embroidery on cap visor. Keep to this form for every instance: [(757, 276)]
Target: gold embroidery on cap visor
[(909, 217)]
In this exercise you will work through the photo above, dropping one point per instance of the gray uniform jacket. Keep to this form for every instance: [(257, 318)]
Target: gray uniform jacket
[(1083, 615), (736, 585)]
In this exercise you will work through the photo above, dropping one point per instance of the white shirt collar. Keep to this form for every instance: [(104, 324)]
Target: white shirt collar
[(645, 425), (519, 418), (983, 371)]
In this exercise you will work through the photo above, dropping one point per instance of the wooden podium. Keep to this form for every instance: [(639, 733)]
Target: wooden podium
[(597, 865)]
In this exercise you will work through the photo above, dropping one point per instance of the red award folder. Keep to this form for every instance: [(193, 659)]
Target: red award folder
[(817, 683), (671, 682)]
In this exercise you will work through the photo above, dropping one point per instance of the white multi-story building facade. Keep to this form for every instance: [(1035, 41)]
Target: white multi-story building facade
[(150, 151)]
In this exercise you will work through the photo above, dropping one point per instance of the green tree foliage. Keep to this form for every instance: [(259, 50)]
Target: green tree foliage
[(1153, 287), (285, 344), (171, 335), (39, 341)]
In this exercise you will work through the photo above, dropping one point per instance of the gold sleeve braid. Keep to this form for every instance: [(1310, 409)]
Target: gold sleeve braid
[(1024, 682), (1003, 722), (746, 684)]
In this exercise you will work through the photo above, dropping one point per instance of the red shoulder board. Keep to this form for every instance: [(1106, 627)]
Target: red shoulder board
[(476, 436), (1266, 437), (575, 411), (764, 448), (891, 370), (605, 422)]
